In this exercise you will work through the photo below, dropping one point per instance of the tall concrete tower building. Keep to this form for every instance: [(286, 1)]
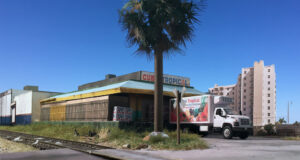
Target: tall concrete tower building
[(254, 94)]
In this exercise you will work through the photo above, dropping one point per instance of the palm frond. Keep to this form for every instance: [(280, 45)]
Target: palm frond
[(159, 25)]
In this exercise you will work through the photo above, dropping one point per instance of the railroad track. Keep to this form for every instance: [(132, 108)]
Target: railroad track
[(44, 143)]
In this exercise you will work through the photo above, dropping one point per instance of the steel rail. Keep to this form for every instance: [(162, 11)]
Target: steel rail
[(44, 143)]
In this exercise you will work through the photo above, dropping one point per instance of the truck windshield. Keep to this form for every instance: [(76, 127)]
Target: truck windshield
[(230, 111)]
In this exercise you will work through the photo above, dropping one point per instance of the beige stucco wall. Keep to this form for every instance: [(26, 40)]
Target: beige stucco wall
[(253, 94), (247, 92), (269, 95), (36, 108), (228, 91), (258, 93)]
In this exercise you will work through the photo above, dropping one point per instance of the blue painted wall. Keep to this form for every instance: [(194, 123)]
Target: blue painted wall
[(5, 120), (23, 119)]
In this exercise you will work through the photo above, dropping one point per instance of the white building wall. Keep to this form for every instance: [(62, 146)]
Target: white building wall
[(24, 103), (6, 99), (5, 105), (16, 92), (27, 105)]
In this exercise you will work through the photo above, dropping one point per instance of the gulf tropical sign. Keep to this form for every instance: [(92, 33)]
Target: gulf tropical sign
[(168, 79), (194, 110)]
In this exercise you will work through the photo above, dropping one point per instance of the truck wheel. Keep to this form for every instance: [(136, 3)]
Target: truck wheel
[(227, 132), (244, 135)]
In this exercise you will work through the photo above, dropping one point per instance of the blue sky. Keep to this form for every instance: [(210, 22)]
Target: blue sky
[(60, 44)]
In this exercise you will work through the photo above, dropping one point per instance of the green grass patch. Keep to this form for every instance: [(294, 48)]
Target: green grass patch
[(112, 136), (118, 137), (292, 138), (51, 130)]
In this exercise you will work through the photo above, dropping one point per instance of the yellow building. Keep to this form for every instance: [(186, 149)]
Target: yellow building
[(97, 104)]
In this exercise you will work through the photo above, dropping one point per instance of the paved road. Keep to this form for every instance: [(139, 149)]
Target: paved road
[(254, 148), (55, 154), (67, 154)]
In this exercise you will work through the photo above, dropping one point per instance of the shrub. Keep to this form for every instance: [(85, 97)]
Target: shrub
[(157, 139), (292, 138), (270, 130), (261, 132)]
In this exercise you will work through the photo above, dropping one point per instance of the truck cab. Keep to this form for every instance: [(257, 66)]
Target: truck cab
[(230, 124)]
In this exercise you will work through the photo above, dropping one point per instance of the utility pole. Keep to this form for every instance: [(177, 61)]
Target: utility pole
[(177, 104), (178, 118), (288, 116)]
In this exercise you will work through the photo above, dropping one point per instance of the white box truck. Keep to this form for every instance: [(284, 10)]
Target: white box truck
[(211, 114)]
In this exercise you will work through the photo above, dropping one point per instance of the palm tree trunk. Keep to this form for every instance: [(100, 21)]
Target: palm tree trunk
[(158, 92)]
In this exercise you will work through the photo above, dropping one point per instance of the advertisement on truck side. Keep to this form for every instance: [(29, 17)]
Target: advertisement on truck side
[(193, 110)]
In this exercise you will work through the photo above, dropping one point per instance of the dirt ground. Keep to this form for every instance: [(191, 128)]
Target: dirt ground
[(7, 146)]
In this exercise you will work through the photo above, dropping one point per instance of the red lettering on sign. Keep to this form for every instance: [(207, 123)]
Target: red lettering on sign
[(193, 100), (166, 79), (148, 77), (144, 77)]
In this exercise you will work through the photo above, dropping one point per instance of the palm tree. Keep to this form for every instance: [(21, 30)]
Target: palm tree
[(158, 28), (281, 121)]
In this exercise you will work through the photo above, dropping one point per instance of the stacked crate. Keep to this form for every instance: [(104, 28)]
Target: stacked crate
[(58, 113), (122, 114), (90, 111)]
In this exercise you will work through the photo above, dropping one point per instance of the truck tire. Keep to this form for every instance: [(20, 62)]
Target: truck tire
[(227, 132), (244, 135)]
